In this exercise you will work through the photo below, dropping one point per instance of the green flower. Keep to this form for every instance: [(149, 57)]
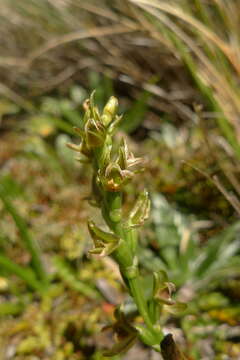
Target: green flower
[(125, 334), (119, 172), (104, 243), (162, 293)]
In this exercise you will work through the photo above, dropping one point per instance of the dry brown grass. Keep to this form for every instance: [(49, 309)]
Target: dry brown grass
[(50, 42)]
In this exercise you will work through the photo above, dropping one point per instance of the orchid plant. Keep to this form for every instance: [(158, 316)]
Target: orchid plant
[(113, 168)]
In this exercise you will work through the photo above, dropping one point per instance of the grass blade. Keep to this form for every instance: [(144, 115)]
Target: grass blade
[(25, 274), (25, 236)]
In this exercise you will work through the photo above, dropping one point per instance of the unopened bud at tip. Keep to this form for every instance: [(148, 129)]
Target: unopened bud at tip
[(109, 110)]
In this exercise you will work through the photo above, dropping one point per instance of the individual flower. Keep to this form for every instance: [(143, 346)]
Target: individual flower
[(104, 243), (119, 172), (125, 334), (162, 293)]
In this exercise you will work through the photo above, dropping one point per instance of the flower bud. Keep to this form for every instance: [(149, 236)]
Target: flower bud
[(109, 111)]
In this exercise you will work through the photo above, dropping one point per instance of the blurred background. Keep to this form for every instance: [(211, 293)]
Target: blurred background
[(174, 66)]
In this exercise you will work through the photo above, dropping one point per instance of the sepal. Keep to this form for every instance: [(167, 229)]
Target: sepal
[(176, 308), (91, 111), (74, 147), (114, 125), (140, 211), (126, 159), (81, 148)]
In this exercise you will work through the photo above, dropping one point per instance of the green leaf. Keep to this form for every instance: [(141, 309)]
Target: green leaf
[(219, 250), (27, 240)]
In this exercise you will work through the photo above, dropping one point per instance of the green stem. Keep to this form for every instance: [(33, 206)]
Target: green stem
[(138, 297), (132, 237), (126, 262), (115, 226)]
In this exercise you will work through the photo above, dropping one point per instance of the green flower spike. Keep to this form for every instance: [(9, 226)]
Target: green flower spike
[(114, 167)]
